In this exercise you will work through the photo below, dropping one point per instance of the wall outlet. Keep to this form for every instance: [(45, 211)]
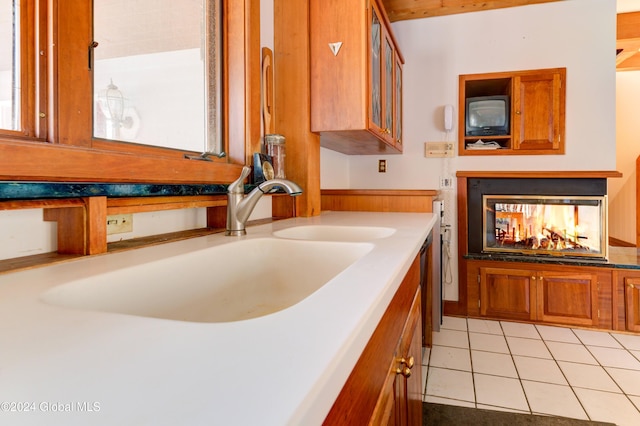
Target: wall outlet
[(119, 223), (446, 182), (382, 166)]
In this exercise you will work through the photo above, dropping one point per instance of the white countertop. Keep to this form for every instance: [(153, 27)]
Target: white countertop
[(61, 366)]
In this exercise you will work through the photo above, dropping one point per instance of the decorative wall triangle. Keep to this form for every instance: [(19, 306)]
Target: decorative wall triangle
[(335, 47)]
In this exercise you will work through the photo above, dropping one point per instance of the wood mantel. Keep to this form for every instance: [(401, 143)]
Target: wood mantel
[(564, 174)]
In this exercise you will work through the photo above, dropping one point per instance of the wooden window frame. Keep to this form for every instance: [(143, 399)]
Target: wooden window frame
[(57, 144)]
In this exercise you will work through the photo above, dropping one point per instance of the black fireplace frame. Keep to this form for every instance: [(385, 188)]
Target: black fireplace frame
[(477, 187)]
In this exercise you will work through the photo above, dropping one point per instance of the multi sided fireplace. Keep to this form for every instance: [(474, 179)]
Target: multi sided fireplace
[(545, 225), (551, 217)]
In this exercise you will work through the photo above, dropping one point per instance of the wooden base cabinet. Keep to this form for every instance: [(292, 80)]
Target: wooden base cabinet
[(384, 387), (407, 375), (539, 293), (507, 293), (627, 300), (632, 303), (568, 297)]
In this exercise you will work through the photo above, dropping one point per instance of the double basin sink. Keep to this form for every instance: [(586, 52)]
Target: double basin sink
[(236, 280)]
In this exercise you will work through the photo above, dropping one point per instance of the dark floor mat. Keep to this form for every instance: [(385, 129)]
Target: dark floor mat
[(450, 415)]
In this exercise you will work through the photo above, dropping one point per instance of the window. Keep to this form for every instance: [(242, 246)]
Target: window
[(56, 139), (17, 72), (156, 73), (9, 65)]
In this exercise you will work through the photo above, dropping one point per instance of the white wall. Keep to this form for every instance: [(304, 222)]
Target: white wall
[(437, 50), (622, 192)]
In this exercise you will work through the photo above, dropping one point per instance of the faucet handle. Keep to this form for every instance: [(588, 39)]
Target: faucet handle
[(237, 186)]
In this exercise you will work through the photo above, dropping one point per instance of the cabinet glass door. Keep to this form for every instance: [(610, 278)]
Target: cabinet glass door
[(389, 65), (398, 104), (376, 66)]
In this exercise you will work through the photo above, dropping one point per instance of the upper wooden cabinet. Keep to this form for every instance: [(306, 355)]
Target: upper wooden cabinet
[(536, 112), (356, 78)]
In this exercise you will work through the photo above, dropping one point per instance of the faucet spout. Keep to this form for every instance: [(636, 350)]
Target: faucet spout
[(239, 207)]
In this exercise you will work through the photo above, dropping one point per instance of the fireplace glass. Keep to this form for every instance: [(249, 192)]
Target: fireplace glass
[(545, 225)]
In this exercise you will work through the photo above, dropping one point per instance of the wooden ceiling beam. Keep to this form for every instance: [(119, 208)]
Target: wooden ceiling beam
[(628, 41), (631, 63), (399, 10), (628, 26)]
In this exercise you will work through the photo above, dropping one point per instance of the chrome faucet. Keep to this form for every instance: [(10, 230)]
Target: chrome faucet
[(239, 207)]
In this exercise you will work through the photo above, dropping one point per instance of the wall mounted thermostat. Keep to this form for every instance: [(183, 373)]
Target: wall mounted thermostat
[(438, 149)]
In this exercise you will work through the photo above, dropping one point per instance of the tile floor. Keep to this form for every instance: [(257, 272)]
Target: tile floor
[(538, 369)]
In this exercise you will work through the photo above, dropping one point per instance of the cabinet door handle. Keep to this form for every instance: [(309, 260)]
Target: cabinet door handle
[(406, 372), (533, 277), (408, 362), (631, 285)]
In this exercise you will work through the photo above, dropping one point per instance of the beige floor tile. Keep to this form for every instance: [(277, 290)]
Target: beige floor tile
[(596, 338), (452, 384), (608, 407), (508, 410), (571, 352), (488, 342), (628, 380), (426, 353), (556, 400), (588, 376), (493, 363), (500, 391), (454, 323), (448, 401), (557, 334), (635, 400), (528, 347), (452, 358), (454, 338), (517, 329), (629, 341), (611, 357), (540, 370), (484, 326)]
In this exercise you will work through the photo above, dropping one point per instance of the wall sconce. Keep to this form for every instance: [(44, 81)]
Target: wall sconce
[(111, 102)]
